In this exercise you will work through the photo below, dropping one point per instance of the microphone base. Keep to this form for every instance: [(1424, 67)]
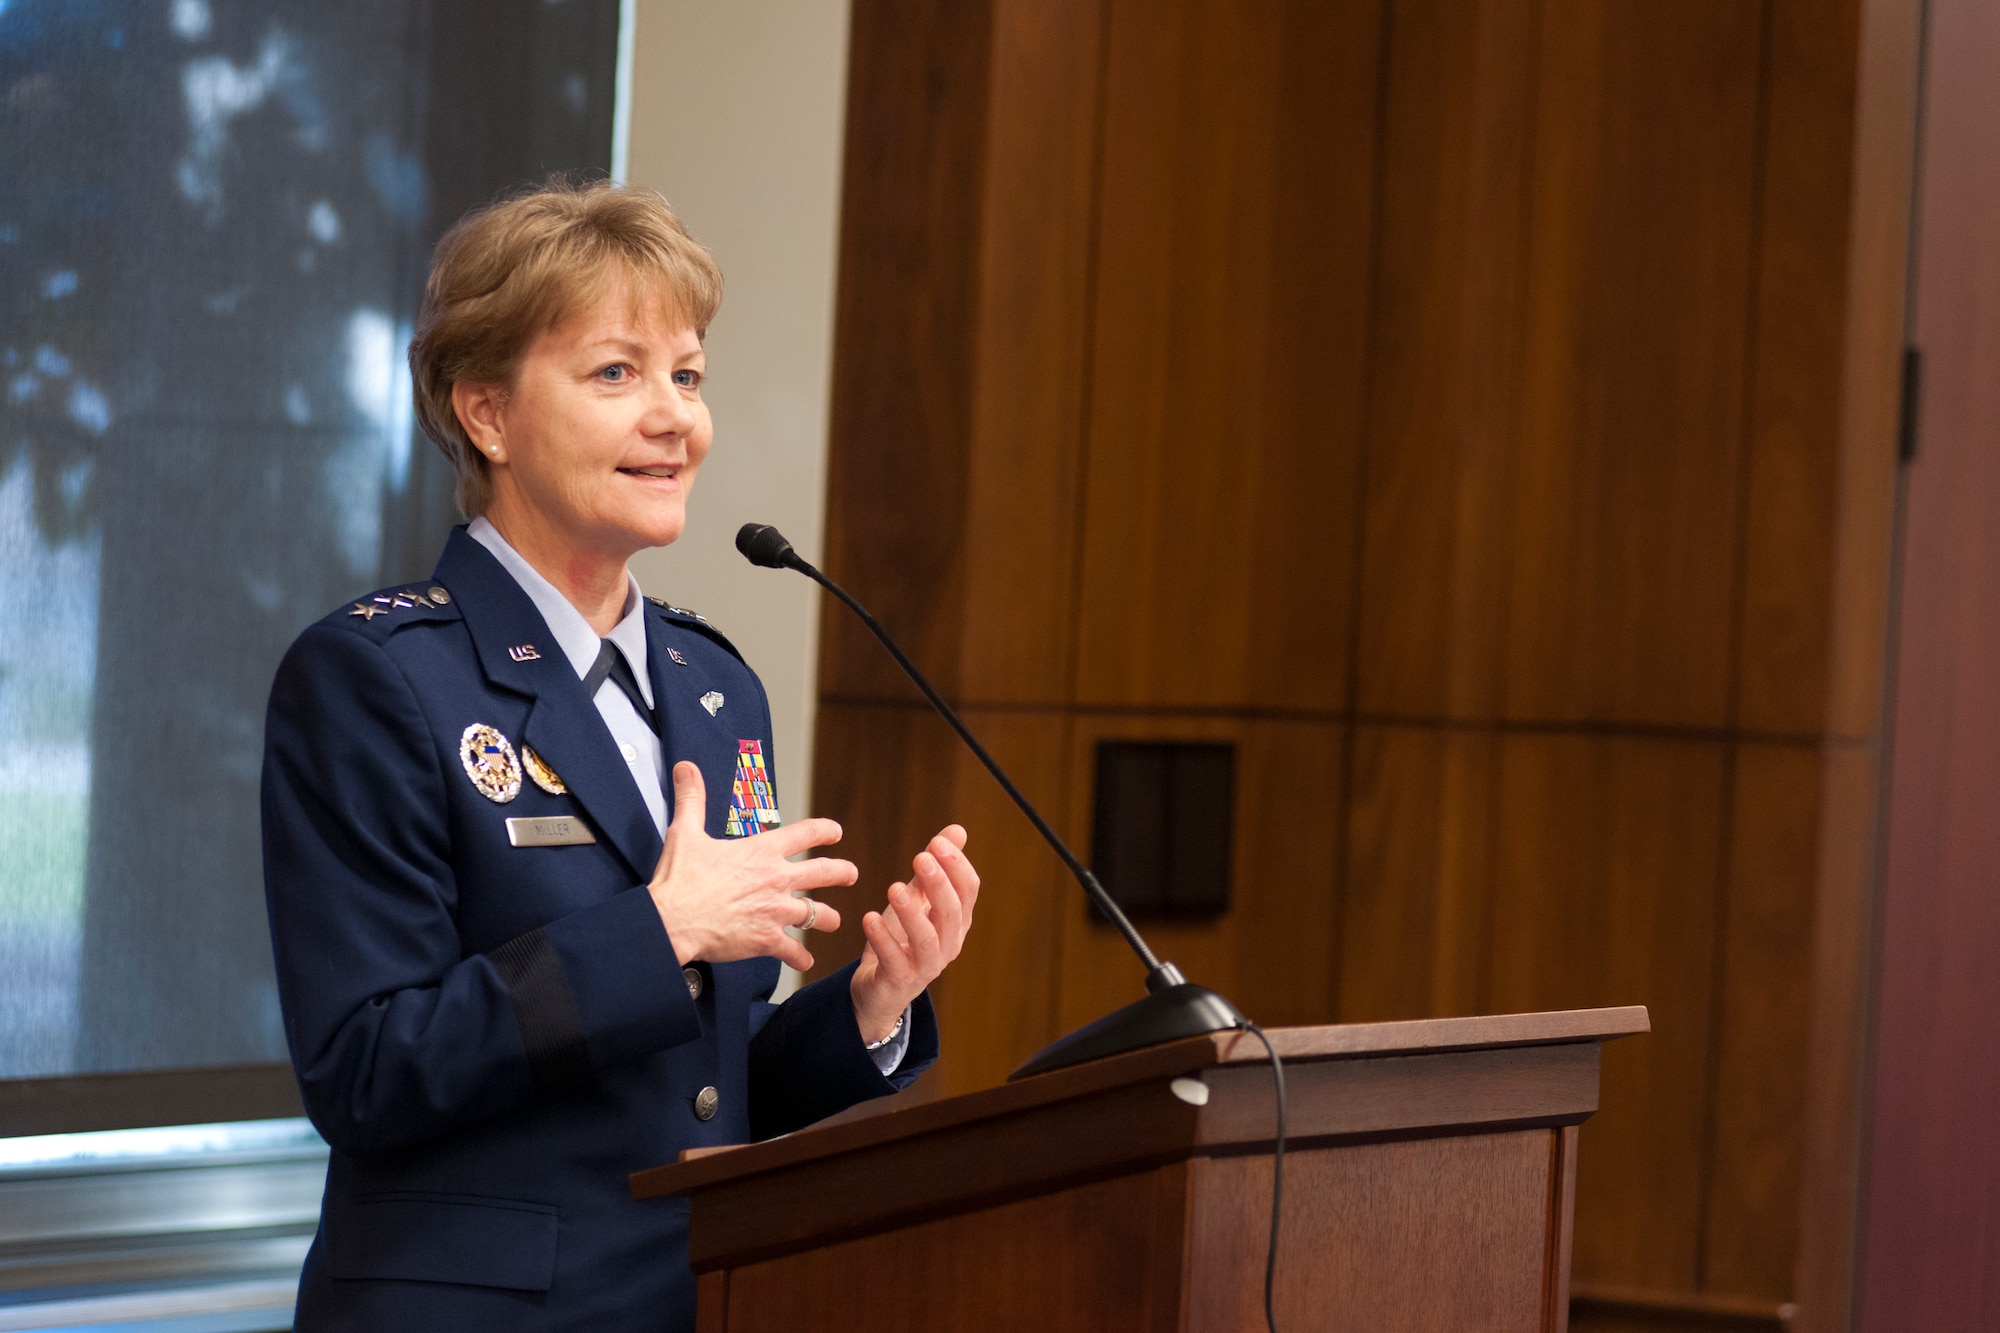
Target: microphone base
[(1166, 1015)]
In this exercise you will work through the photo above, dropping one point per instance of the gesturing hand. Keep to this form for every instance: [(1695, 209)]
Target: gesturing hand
[(723, 899), (909, 945)]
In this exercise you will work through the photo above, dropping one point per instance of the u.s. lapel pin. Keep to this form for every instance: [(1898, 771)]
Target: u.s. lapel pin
[(712, 701), (675, 654), (524, 652)]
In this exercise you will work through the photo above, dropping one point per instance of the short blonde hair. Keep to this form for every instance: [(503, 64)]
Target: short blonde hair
[(508, 273)]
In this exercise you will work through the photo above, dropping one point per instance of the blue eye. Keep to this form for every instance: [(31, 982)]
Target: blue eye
[(687, 379), (615, 374)]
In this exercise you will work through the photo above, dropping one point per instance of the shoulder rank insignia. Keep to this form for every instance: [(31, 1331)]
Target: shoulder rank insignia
[(753, 806), (666, 605), (490, 763), (702, 625), (382, 603), (538, 769)]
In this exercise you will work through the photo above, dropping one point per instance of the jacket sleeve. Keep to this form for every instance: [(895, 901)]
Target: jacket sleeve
[(396, 1033), (807, 1059)]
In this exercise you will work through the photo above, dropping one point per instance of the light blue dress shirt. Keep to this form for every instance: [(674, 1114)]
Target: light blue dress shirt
[(635, 736)]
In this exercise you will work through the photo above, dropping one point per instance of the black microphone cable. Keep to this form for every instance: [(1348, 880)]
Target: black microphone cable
[(1277, 1174)]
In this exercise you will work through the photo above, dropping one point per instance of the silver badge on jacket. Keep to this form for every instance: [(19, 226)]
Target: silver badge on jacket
[(490, 762)]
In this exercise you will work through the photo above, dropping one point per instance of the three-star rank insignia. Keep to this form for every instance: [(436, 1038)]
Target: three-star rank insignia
[(382, 603), (538, 769), (753, 806), (666, 605), (490, 762)]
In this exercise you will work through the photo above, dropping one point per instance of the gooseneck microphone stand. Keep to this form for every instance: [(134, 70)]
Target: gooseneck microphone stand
[(1173, 1007)]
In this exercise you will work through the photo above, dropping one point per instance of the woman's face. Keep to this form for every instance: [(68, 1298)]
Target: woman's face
[(601, 434)]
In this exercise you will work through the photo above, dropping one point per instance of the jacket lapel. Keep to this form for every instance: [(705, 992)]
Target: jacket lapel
[(687, 730), (656, 668), (563, 726)]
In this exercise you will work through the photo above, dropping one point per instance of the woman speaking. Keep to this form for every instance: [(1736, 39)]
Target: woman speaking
[(528, 884)]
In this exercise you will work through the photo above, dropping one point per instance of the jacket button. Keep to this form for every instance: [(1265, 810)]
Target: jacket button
[(705, 1103), (693, 978)]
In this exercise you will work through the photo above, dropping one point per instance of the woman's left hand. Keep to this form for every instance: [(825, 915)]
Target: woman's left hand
[(923, 930)]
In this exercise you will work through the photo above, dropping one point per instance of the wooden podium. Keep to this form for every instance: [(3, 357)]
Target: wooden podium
[(1429, 1184)]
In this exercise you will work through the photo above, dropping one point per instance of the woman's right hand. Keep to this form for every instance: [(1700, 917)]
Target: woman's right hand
[(725, 899)]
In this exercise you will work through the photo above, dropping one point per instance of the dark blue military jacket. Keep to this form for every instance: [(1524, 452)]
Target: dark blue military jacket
[(492, 1036)]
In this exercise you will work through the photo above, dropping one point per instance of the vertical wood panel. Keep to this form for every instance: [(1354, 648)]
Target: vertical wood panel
[(1794, 484), (1030, 357), (1822, 479), (1754, 1153), (1607, 890), (1876, 286), (1830, 1137), (1417, 905), (1000, 996), (1288, 871), (904, 777), (1231, 296), (878, 776), (1627, 486), (897, 468), (1444, 376)]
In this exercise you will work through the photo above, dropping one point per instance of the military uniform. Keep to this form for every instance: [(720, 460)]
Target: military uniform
[(489, 1024)]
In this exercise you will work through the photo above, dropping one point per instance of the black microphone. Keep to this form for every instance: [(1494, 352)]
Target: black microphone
[(1173, 1008), (764, 545)]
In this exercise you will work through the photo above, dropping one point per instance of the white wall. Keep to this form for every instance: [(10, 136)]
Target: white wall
[(736, 116)]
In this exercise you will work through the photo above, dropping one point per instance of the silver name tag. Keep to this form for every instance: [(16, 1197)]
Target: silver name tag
[(559, 831)]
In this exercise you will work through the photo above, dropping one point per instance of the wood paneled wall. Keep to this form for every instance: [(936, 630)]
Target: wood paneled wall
[(1482, 413)]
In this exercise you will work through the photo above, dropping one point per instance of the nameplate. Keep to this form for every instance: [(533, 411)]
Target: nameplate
[(558, 831)]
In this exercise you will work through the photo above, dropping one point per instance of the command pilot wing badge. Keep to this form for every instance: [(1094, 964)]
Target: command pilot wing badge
[(538, 769), (490, 763)]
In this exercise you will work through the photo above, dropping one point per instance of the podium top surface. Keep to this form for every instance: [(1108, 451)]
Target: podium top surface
[(880, 1124)]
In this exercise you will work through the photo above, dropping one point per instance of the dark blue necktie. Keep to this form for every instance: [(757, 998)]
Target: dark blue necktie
[(611, 665)]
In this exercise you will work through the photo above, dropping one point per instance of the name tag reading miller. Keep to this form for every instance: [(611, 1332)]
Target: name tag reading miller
[(555, 831)]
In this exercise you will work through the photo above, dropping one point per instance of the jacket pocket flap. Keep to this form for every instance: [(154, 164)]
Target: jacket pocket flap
[(475, 1241)]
